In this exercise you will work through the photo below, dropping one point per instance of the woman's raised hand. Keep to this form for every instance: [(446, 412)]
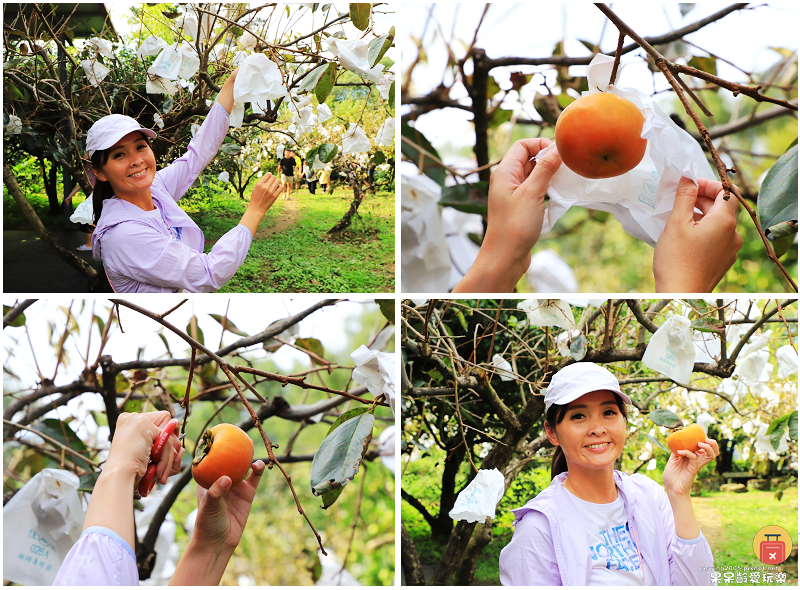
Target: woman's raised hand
[(683, 466), (265, 193)]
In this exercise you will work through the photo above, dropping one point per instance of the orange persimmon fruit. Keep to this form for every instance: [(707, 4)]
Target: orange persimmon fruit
[(687, 438), (224, 450), (599, 135)]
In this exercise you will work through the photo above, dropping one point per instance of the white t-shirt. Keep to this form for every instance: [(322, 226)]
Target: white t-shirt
[(615, 559)]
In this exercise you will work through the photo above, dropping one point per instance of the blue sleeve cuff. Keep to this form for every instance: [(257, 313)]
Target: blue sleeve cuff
[(101, 530), (248, 230), (691, 541)]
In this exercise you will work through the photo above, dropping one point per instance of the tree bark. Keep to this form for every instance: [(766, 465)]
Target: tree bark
[(409, 558), (49, 180), (480, 539), (82, 266), (478, 94), (358, 198)]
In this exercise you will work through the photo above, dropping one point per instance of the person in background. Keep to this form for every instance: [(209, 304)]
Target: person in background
[(311, 177), (288, 164), (104, 554), (324, 179)]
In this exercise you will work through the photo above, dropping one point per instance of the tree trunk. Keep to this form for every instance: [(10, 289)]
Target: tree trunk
[(412, 566), (498, 458), (478, 94), (84, 267), (480, 539), (49, 180), (443, 525), (371, 179), (459, 539), (358, 198)]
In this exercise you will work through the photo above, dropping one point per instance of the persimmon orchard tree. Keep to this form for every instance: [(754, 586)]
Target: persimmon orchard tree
[(57, 85), (473, 374), (511, 97), (64, 419)]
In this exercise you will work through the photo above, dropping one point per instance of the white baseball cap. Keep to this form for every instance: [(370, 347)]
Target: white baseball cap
[(578, 379), (106, 132)]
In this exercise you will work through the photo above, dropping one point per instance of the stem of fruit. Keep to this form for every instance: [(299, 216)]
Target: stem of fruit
[(665, 66), (185, 404), (273, 460)]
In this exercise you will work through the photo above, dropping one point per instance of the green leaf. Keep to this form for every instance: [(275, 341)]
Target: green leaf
[(425, 164), (777, 199), (708, 325), (378, 47), (229, 325), (199, 331), (166, 344), (704, 64), (60, 431), (312, 345), (347, 416), (325, 84), (379, 158), (793, 425), (665, 418), (658, 443), (391, 95), (434, 374), (88, 481), (339, 457), (387, 308), (327, 152), (461, 320), (19, 321), (547, 106), (578, 347), (470, 198), (311, 78), (230, 148), (359, 14), (587, 44), (328, 498), (499, 116)]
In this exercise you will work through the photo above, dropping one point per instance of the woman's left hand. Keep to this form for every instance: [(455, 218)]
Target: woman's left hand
[(222, 511), (682, 468)]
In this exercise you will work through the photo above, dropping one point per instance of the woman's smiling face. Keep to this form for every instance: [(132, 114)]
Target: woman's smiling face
[(131, 165), (592, 432)]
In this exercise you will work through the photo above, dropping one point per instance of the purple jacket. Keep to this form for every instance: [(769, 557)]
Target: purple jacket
[(138, 248), (549, 547)]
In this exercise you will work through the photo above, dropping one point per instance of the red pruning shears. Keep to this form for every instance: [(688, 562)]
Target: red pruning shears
[(149, 479)]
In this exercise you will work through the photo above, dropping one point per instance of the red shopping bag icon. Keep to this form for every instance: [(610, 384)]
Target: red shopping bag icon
[(772, 552)]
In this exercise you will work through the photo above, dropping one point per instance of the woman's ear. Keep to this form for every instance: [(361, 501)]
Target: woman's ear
[(99, 175), (551, 435)]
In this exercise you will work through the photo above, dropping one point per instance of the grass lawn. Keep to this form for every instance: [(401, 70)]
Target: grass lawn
[(292, 251), (730, 522)]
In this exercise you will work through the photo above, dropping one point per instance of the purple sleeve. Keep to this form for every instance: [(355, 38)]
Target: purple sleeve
[(687, 558), (530, 559), (180, 174), (100, 558), (143, 254)]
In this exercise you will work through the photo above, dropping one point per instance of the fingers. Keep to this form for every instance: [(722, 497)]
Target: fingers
[(537, 182), (255, 475), (685, 199), (219, 489)]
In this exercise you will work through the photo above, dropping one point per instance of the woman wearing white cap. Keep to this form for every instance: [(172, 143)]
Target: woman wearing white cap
[(147, 243), (594, 526)]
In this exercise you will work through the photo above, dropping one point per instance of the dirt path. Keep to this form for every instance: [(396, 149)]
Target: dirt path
[(287, 218)]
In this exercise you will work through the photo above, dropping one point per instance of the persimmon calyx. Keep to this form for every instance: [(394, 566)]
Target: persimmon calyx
[(203, 447)]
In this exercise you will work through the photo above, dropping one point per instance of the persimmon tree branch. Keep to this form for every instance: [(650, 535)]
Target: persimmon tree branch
[(664, 65)]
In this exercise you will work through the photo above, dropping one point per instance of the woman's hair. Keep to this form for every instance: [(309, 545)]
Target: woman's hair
[(554, 416), (102, 188)]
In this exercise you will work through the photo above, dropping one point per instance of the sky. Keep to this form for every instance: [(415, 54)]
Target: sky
[(743, 37)]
